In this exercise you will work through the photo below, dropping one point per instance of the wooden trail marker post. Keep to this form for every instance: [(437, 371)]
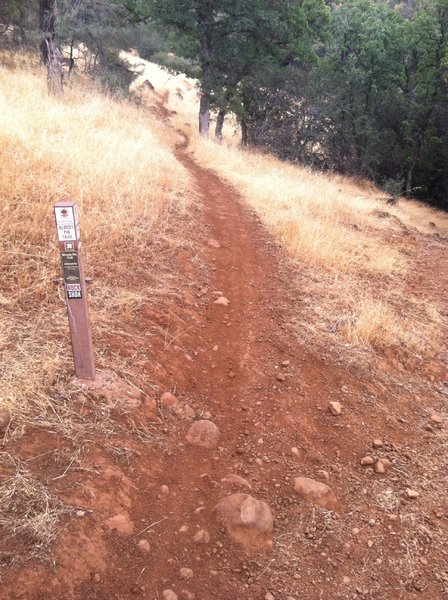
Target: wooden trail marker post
[(67, 227)]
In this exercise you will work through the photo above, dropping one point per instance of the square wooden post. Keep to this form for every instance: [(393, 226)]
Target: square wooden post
[(67, 227)]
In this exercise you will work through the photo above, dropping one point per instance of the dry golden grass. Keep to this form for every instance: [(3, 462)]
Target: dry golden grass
[(115, 161), (28, 511), (347, 240)]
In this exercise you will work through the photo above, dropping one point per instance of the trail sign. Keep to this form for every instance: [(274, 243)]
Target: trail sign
[(69, 239)]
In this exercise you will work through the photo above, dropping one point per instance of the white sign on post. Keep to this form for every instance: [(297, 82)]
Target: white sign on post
[(66, 224)]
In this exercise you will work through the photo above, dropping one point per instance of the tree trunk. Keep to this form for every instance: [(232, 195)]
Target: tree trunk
[(204, 116), (205, 16), (49, 51), (219, 125), (55, 73), (409, 180), (46, 25)]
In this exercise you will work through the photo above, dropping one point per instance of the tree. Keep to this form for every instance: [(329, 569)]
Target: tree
[(425, 87), (51, 55), (232, 42)]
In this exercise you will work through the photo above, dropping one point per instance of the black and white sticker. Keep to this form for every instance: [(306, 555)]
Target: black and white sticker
[(74, 290)]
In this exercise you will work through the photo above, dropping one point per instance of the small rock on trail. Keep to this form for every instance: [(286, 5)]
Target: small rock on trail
[(168, 399), (295, 452), (437, 419), (382, 465), (144, 546), (204, 434), (186, 573), (335, 408), (315, 492), (169, 595), (412, 493), (201, 537), (248, 521), (222, 300)]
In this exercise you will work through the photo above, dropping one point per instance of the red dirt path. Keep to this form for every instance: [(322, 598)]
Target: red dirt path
[(226, 363)]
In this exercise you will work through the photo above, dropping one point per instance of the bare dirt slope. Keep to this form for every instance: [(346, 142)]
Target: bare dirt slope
[(242, 366)]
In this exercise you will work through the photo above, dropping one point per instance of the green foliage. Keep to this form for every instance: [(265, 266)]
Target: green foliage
[(238, 44), (376, 102)]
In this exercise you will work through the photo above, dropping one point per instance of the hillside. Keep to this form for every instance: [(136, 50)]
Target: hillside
[(273, 323)]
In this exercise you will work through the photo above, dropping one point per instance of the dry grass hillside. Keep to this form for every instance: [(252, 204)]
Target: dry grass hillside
[(115, 161), (352, 243)]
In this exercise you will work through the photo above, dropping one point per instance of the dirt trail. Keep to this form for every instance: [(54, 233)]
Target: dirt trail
[(226, 365)]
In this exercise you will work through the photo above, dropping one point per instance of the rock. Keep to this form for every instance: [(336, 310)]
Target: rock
[(186, 573), (269, 596), (324, 474), (5, 419), (437, 419), (382, 465), (204, 434), (121, 522), (188, 411), (412, 493), (168, 399), (285, 363), (369, 543), (248, 521), (379, 467), (366, 461), (222, 300), (165, 490), (335, 408), (201, 537), (97, 578), (377, 443), (183, 529), (236, 480), (169, 595), (116, 391), (144, 546), (213, 243), (281, 377), (295, 452), (315, 492)]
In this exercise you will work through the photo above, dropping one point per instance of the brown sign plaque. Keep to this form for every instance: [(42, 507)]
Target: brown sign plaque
[(67, 227)]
